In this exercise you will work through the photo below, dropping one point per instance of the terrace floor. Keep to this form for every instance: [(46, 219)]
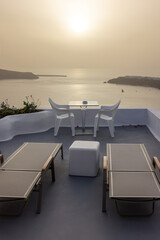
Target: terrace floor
[(71, 206)]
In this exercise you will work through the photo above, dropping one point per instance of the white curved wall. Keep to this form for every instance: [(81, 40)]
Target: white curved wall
[(11, 126)]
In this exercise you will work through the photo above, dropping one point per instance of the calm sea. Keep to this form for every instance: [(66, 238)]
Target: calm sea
[(79, 84)]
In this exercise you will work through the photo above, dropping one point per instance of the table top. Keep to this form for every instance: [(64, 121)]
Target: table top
[(128, 157), (83, 103), (31, 156)]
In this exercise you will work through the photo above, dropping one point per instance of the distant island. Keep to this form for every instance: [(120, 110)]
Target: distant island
[(8, 74), (51, 75), (137, 81)]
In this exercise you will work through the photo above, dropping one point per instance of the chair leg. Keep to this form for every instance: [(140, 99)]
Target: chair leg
[(95, 126), (98, 125), (111, 127), (72, 121), (57, 125)]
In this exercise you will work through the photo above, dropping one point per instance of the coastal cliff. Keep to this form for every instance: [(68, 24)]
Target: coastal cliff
[(7, 74), (137, 81)]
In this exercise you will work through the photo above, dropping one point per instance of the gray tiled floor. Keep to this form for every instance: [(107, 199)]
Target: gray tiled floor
[(71, 206)]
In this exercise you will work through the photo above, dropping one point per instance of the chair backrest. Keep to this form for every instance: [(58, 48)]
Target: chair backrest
[(58, 109), (109, 110)]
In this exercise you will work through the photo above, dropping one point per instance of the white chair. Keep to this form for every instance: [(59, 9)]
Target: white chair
[(106, 113), (62, 112)]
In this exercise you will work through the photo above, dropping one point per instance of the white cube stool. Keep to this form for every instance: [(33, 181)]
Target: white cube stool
[(84, 158)]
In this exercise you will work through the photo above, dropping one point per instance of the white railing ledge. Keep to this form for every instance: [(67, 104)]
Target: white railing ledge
[(11, 126), (153, 122)]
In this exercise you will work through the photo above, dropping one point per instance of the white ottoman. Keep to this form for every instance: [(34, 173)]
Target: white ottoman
[(84, 158)]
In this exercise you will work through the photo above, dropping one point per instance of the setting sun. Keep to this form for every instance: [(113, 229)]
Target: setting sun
[(79, 24), (79, 17)]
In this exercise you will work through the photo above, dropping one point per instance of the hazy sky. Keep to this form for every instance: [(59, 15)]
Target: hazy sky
[(120, 35)]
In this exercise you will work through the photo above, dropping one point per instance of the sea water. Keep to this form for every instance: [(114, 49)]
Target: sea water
[(78, 84)]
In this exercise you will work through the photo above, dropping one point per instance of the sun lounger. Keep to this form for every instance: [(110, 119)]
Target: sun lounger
[(130, 175), (24, 170)]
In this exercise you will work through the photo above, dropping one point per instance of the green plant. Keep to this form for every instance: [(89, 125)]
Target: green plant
[(5, 105), (5, 109), (29, 106)]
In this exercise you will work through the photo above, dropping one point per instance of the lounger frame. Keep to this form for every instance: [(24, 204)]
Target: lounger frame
[(38, 172), (109, 169)]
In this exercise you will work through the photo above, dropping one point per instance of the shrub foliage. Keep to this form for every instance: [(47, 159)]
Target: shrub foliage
[(29, 106)]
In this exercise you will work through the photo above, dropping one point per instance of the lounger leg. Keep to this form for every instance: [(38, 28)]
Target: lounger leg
[(153, 206), (104, 191), (62, 151), (39, 201), (52, 170), (1, 159), (12, 201), (135, 202)]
